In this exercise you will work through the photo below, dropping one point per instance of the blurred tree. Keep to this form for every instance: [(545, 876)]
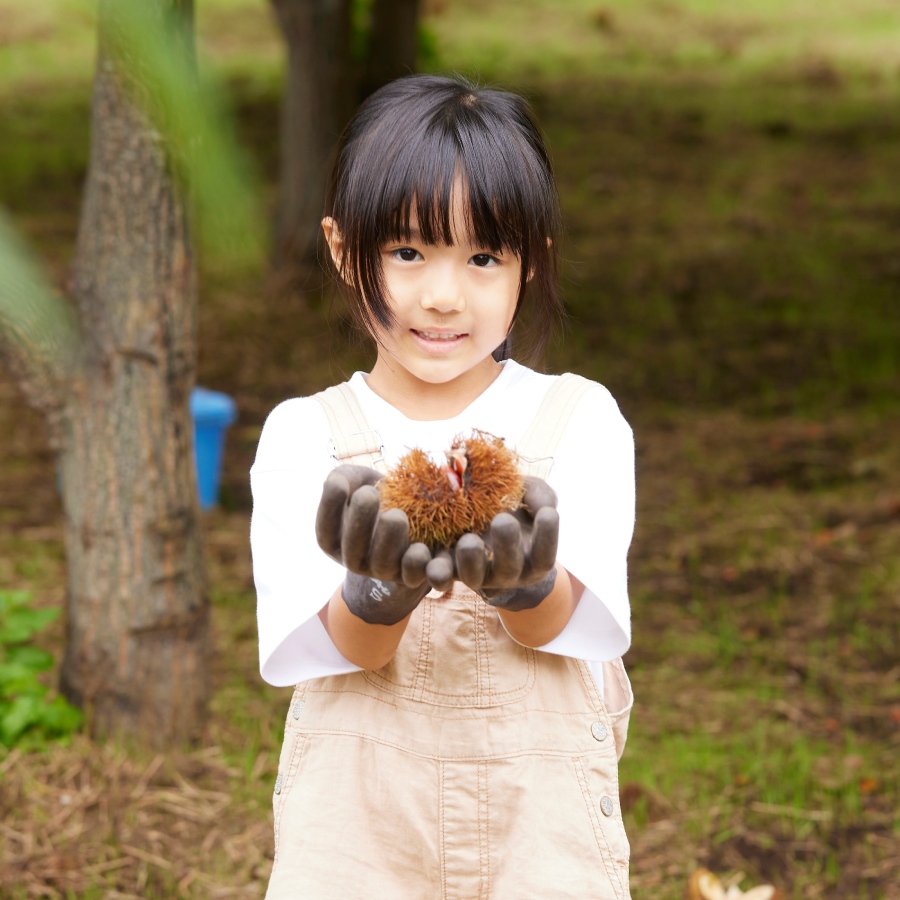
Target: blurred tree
[(318, 97), (113, 378), (324, 81), (393, 42)]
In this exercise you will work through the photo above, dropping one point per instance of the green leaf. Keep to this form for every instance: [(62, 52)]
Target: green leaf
[(31, 657), (59, 717), (26, 716), (12, 599), (22, 713), (16, 678), (21, 624)]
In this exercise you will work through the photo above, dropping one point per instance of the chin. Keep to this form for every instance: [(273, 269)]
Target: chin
[(437, 377), (443, 371)]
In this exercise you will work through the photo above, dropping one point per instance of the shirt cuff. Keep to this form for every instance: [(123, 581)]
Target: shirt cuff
[(592, 633), (307, 652)]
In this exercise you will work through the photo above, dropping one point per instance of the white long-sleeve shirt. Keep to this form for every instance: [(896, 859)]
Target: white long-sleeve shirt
[(592, 474)]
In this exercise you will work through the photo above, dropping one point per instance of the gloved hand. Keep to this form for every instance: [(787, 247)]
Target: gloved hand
[(386, 575), (512, 564)]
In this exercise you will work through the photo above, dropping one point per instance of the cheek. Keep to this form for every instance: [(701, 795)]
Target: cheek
[(397, 293), (512, 303)]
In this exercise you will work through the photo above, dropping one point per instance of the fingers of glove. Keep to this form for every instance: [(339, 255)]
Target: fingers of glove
[(440, 571), (414, 563), (544, 541), (389, 542), (507, 551), (330, 513), (538, 494), (471, 560), (357, 476), (359, 520)]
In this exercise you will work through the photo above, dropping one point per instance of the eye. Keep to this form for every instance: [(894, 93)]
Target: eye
[(483, 260), (406, 254)]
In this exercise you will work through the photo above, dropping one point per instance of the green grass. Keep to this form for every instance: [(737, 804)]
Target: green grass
[(695, 222), (797, 39)]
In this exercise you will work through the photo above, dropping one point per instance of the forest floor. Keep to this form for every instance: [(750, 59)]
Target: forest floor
[(731, 275)]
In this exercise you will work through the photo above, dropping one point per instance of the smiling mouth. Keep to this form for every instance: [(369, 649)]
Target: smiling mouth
[(439, 335)]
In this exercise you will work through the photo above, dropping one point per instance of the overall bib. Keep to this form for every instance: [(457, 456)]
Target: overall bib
[(468, 767)]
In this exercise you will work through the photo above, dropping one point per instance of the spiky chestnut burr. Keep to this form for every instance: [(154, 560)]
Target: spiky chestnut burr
[(481, 478)]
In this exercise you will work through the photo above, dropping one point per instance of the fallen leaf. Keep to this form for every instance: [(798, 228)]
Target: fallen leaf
[(868, 785), (814, 430), (703, 885)]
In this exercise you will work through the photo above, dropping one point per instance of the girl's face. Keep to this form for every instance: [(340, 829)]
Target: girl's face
[(452, 306)]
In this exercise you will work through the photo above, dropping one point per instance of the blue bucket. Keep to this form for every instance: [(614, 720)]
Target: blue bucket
[(212, 413)]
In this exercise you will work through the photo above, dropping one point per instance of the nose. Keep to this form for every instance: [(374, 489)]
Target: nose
[(443, 291)]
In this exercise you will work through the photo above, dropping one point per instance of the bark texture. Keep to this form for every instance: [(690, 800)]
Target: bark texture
[(138, 610), (316, 104), (393, 42)]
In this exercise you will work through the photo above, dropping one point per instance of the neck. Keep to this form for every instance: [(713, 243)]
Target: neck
[(426, 400)]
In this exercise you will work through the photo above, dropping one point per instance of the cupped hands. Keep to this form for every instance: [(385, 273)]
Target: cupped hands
[(511, 565)]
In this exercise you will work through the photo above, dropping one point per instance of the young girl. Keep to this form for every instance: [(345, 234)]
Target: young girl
[(458, 714)]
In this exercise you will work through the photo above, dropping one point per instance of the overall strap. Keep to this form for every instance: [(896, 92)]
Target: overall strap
[(352, 440), (542, 436)]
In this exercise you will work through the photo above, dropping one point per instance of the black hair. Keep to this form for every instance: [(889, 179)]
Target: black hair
[(408, 144)]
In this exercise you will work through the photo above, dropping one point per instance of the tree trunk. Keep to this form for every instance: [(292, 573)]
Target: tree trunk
[(138, 608), (316, 104), (393, 42)]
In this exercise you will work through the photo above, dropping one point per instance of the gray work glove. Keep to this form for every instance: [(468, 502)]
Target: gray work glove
[(387, 577), (512, 564)]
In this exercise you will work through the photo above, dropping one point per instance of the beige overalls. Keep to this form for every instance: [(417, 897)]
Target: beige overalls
[(469, 766)]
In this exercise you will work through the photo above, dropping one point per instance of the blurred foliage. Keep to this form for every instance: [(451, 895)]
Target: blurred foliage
[(190, 114), (30, 310), (28, 714)]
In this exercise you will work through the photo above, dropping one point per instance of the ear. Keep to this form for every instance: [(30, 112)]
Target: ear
[(335, 241)]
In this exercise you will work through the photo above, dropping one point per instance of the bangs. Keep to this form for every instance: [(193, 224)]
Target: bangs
[(409, 148), (499, 214)]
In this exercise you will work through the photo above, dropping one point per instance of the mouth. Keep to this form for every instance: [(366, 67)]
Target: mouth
[(438, 343), (439, 336)]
